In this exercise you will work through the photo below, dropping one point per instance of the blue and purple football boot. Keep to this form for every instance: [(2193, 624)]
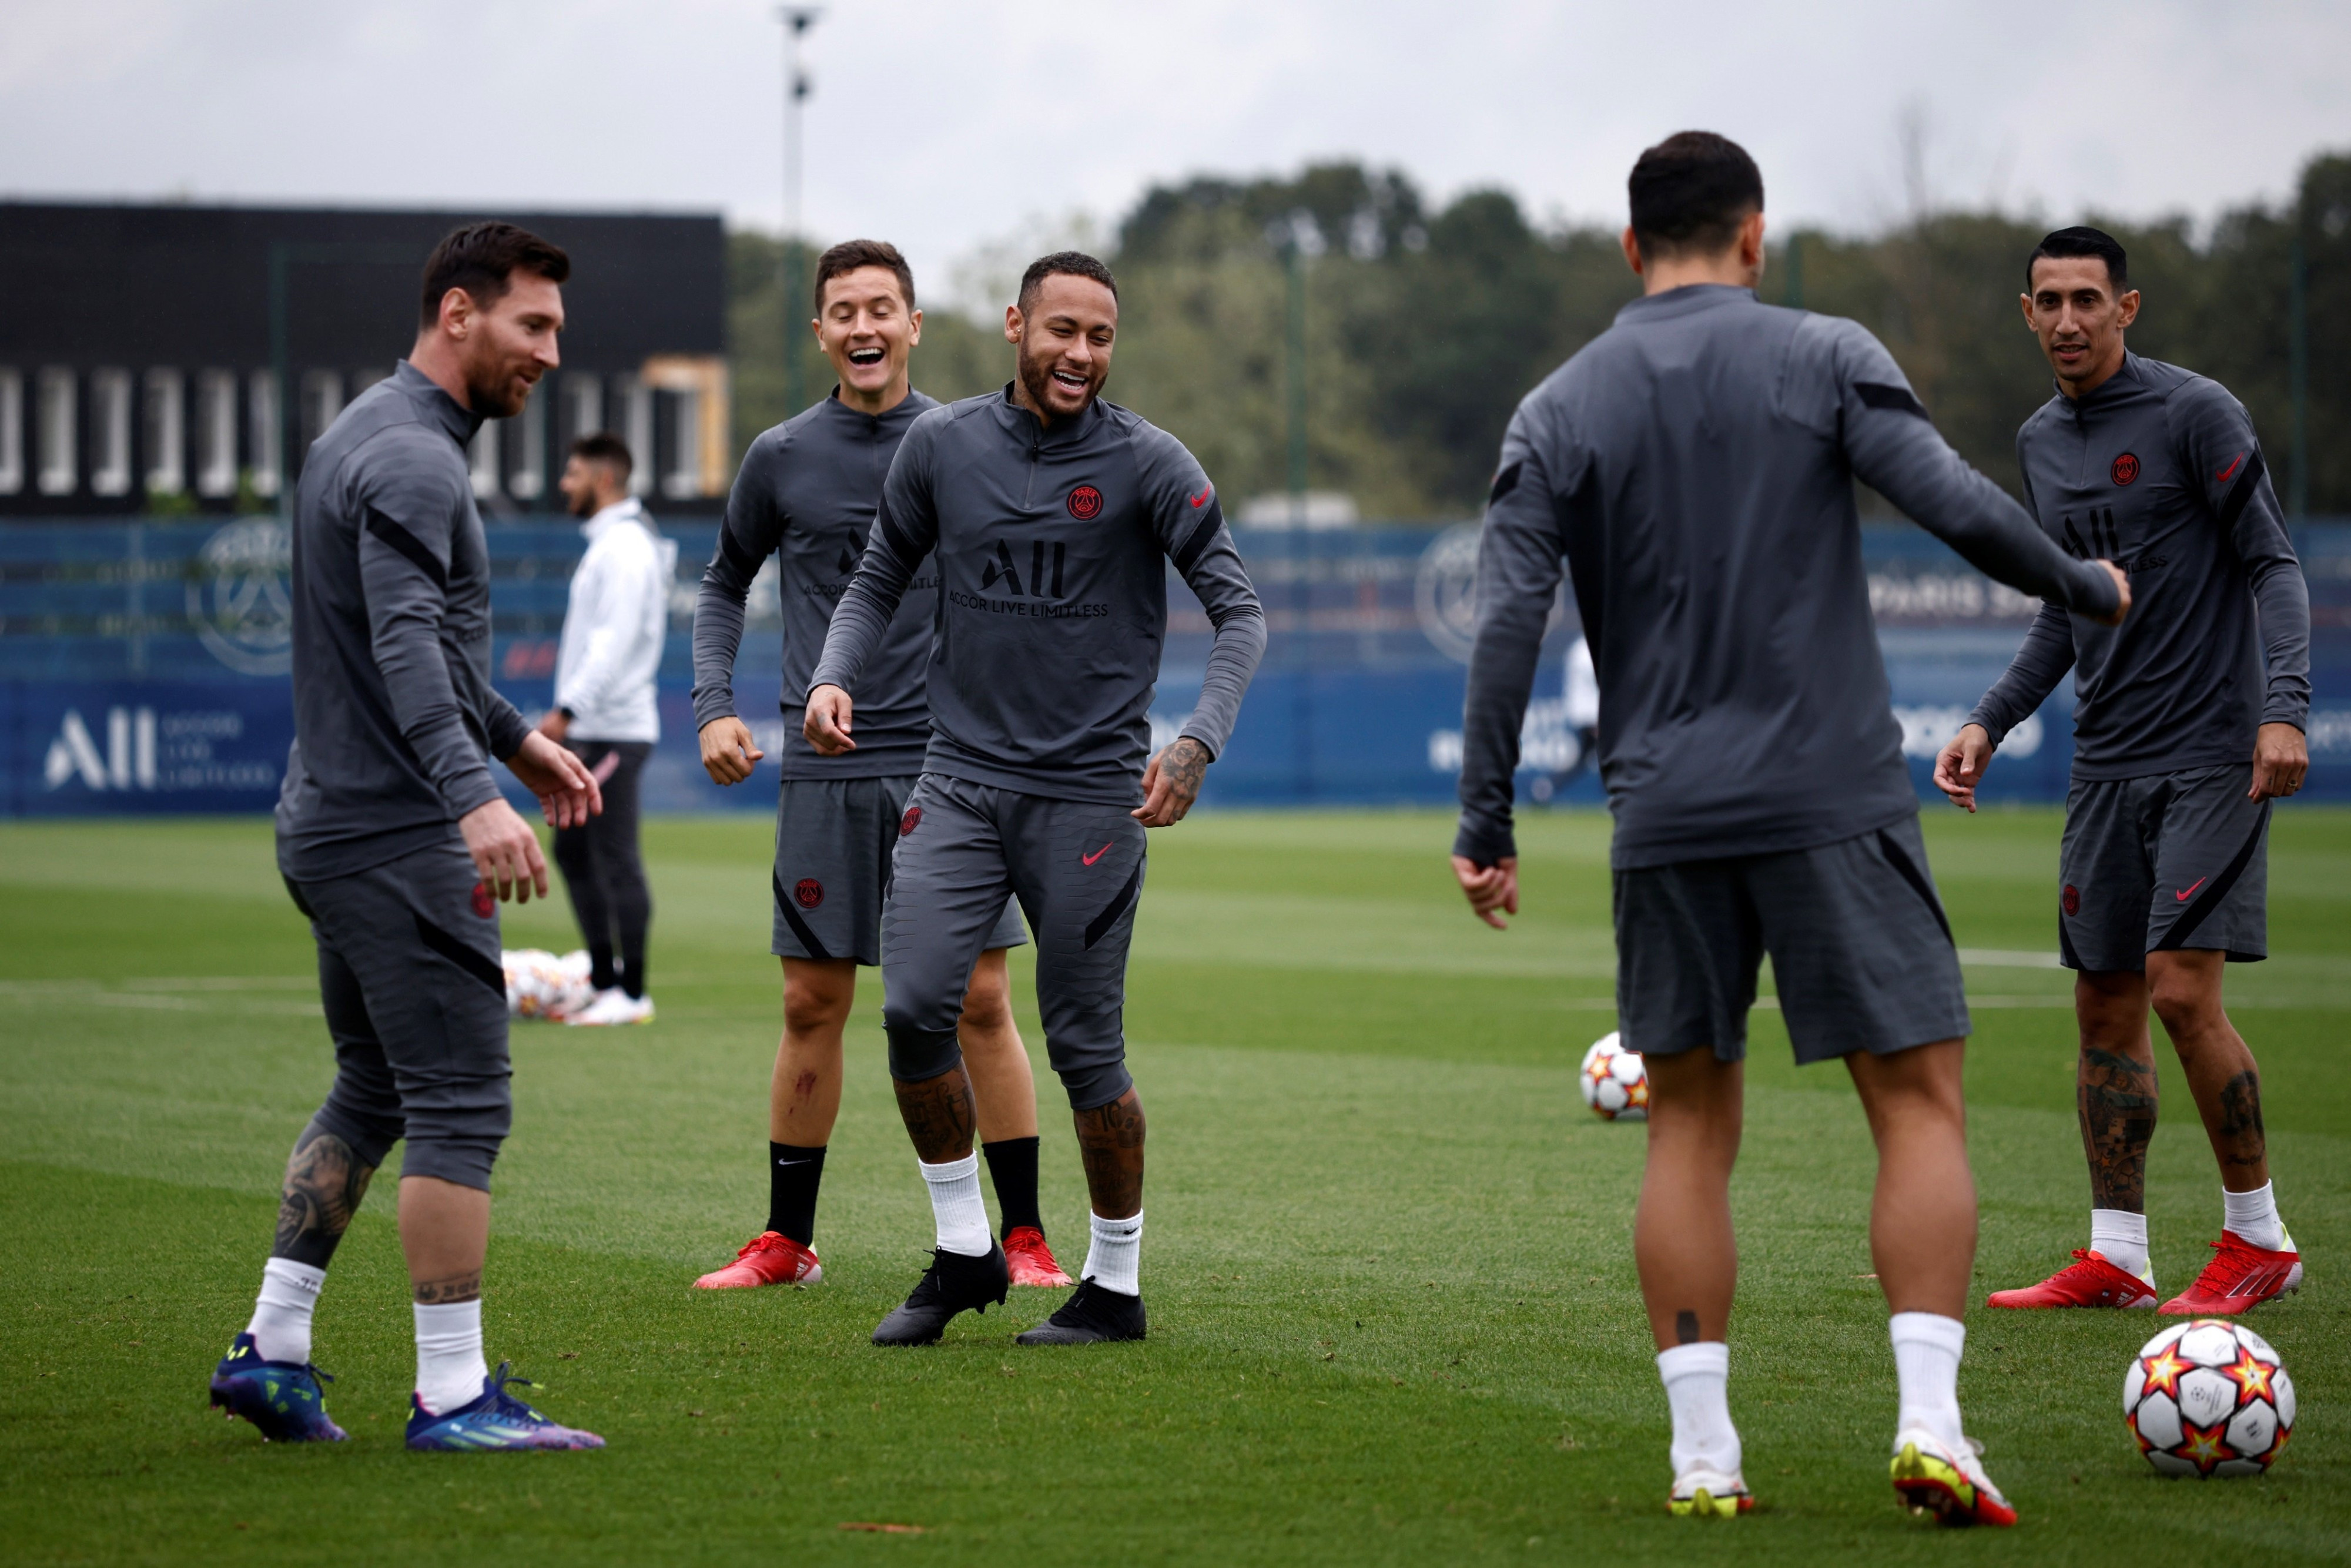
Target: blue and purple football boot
[(281, 1397), (497, 1420)]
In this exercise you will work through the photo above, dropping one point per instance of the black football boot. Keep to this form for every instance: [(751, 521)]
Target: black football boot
[(953, 1283), (1091, 1315)]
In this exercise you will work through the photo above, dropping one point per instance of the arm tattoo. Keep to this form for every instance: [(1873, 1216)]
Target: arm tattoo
[(446, 1292), (1185, 764), (2240, 1136), (1110, 1141), (324, 1184), (2117, 1097), (940, 1115)]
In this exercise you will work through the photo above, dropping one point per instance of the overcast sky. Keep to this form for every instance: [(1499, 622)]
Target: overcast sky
[(949, 124)]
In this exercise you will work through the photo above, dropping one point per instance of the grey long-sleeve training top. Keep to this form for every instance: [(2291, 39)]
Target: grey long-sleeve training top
[(807, 494), (1050, 547), (393, 703), (2158, 470), (1694, 467)]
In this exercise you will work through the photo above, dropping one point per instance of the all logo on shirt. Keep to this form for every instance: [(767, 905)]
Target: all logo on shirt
[(2126, 468), (1085, 502)]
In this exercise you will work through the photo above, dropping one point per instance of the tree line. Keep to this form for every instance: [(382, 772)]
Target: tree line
[(1422, 327)]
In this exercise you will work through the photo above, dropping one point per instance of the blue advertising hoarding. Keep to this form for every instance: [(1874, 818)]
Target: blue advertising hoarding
[(143, 666)]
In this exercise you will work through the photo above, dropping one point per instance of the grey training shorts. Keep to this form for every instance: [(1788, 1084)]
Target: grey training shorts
[(834, 843), (1075, 866), (2170, 861), (415, 999), (1860, 950)]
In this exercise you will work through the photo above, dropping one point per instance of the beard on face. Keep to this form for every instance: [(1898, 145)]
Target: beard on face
[(1037, 377), (583, 505), (492, 393)]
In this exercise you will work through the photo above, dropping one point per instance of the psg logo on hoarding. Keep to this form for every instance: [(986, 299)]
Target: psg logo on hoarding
[(807, 892), (2126, 468), (1085, 502)]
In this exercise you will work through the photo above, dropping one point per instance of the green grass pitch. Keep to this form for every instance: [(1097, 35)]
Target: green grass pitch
[(1394, 1314)]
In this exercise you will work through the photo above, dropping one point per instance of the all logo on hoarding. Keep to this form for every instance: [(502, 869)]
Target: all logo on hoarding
[(129, 758)]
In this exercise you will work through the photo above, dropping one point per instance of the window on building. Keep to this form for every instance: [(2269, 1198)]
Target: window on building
[(164, 442), (322, 399), (526, 480), (583, 407), (367, 378), (635, 401), (109, 432), (264, 431), (265, 434), (12, 430), (59, 433), (682, 475), (215, 432), (483, 461)]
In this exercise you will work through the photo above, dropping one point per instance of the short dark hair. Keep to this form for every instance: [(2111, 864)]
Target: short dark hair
[(2081, 241), (1691, 191), (1075, 263), (481, 259), (851, 254), (603, 446)]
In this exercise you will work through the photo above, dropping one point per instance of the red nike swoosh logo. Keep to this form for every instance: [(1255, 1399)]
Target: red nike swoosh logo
[(1096, 855), (1203, 495), (2223, 476), (2184, 893)]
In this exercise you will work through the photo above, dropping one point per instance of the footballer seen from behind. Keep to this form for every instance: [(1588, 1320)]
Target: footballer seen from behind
[(1052, 517), (805, 495), (394, 842), (2188, 722), (1693, 469)]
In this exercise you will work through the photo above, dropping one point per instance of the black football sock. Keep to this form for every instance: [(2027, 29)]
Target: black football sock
[(1012, 1166), (600, 965), (633, 973), (793, 1174)]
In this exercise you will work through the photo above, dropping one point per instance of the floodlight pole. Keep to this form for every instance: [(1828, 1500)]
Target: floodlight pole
[(796, 20)]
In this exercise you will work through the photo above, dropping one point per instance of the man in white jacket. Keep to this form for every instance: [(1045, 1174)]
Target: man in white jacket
[(605, 712)]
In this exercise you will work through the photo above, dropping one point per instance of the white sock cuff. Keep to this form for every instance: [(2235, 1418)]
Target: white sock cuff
[(1928, 1328), (953, 1170), (1115, 1229), (441, 1320), (304, 1277), (2120, 1224), (1707, 1358)]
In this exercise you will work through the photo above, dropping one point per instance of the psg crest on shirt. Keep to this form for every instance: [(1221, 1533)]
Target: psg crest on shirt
[(1085, 502)]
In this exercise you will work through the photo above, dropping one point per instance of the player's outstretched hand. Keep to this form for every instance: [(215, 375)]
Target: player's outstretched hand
[(1961, 765), (2122, 594), (827, 724), (505, 850), (1489, 888), (727, 750), (2280, 759), (568, 792), (1170, 783)]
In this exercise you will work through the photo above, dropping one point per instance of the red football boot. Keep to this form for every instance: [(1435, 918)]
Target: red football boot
[(767, 1259), (2088, 1281), (1031, 1261), (2241, 1277)]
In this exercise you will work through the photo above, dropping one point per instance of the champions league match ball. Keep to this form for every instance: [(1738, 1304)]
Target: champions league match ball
[(541, 985), (1615, 1085), (2208, 1398)]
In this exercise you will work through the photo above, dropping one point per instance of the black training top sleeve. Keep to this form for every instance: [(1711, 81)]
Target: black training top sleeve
[(748, 535), (2214, 436), (1189, 518), (408, 514), (905, 529), (1895, 450), (1519, 554)]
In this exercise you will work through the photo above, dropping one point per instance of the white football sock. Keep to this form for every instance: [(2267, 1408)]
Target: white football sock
[(1114, 1258), (450, 1370), (2253, 1216), (1927, 1347), (1697, 1391), (955, 1205), (281, 1315), (2120, 1236)]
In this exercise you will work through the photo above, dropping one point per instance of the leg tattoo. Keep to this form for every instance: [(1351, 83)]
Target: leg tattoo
[(2240, 1137), (446, 1292), (940, 1115), (324, 1184), (1110, 1140), (2117, 1102), (1685, 1327)]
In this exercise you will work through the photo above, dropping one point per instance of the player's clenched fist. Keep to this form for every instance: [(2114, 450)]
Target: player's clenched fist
[(727, 750), (827, 724)]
